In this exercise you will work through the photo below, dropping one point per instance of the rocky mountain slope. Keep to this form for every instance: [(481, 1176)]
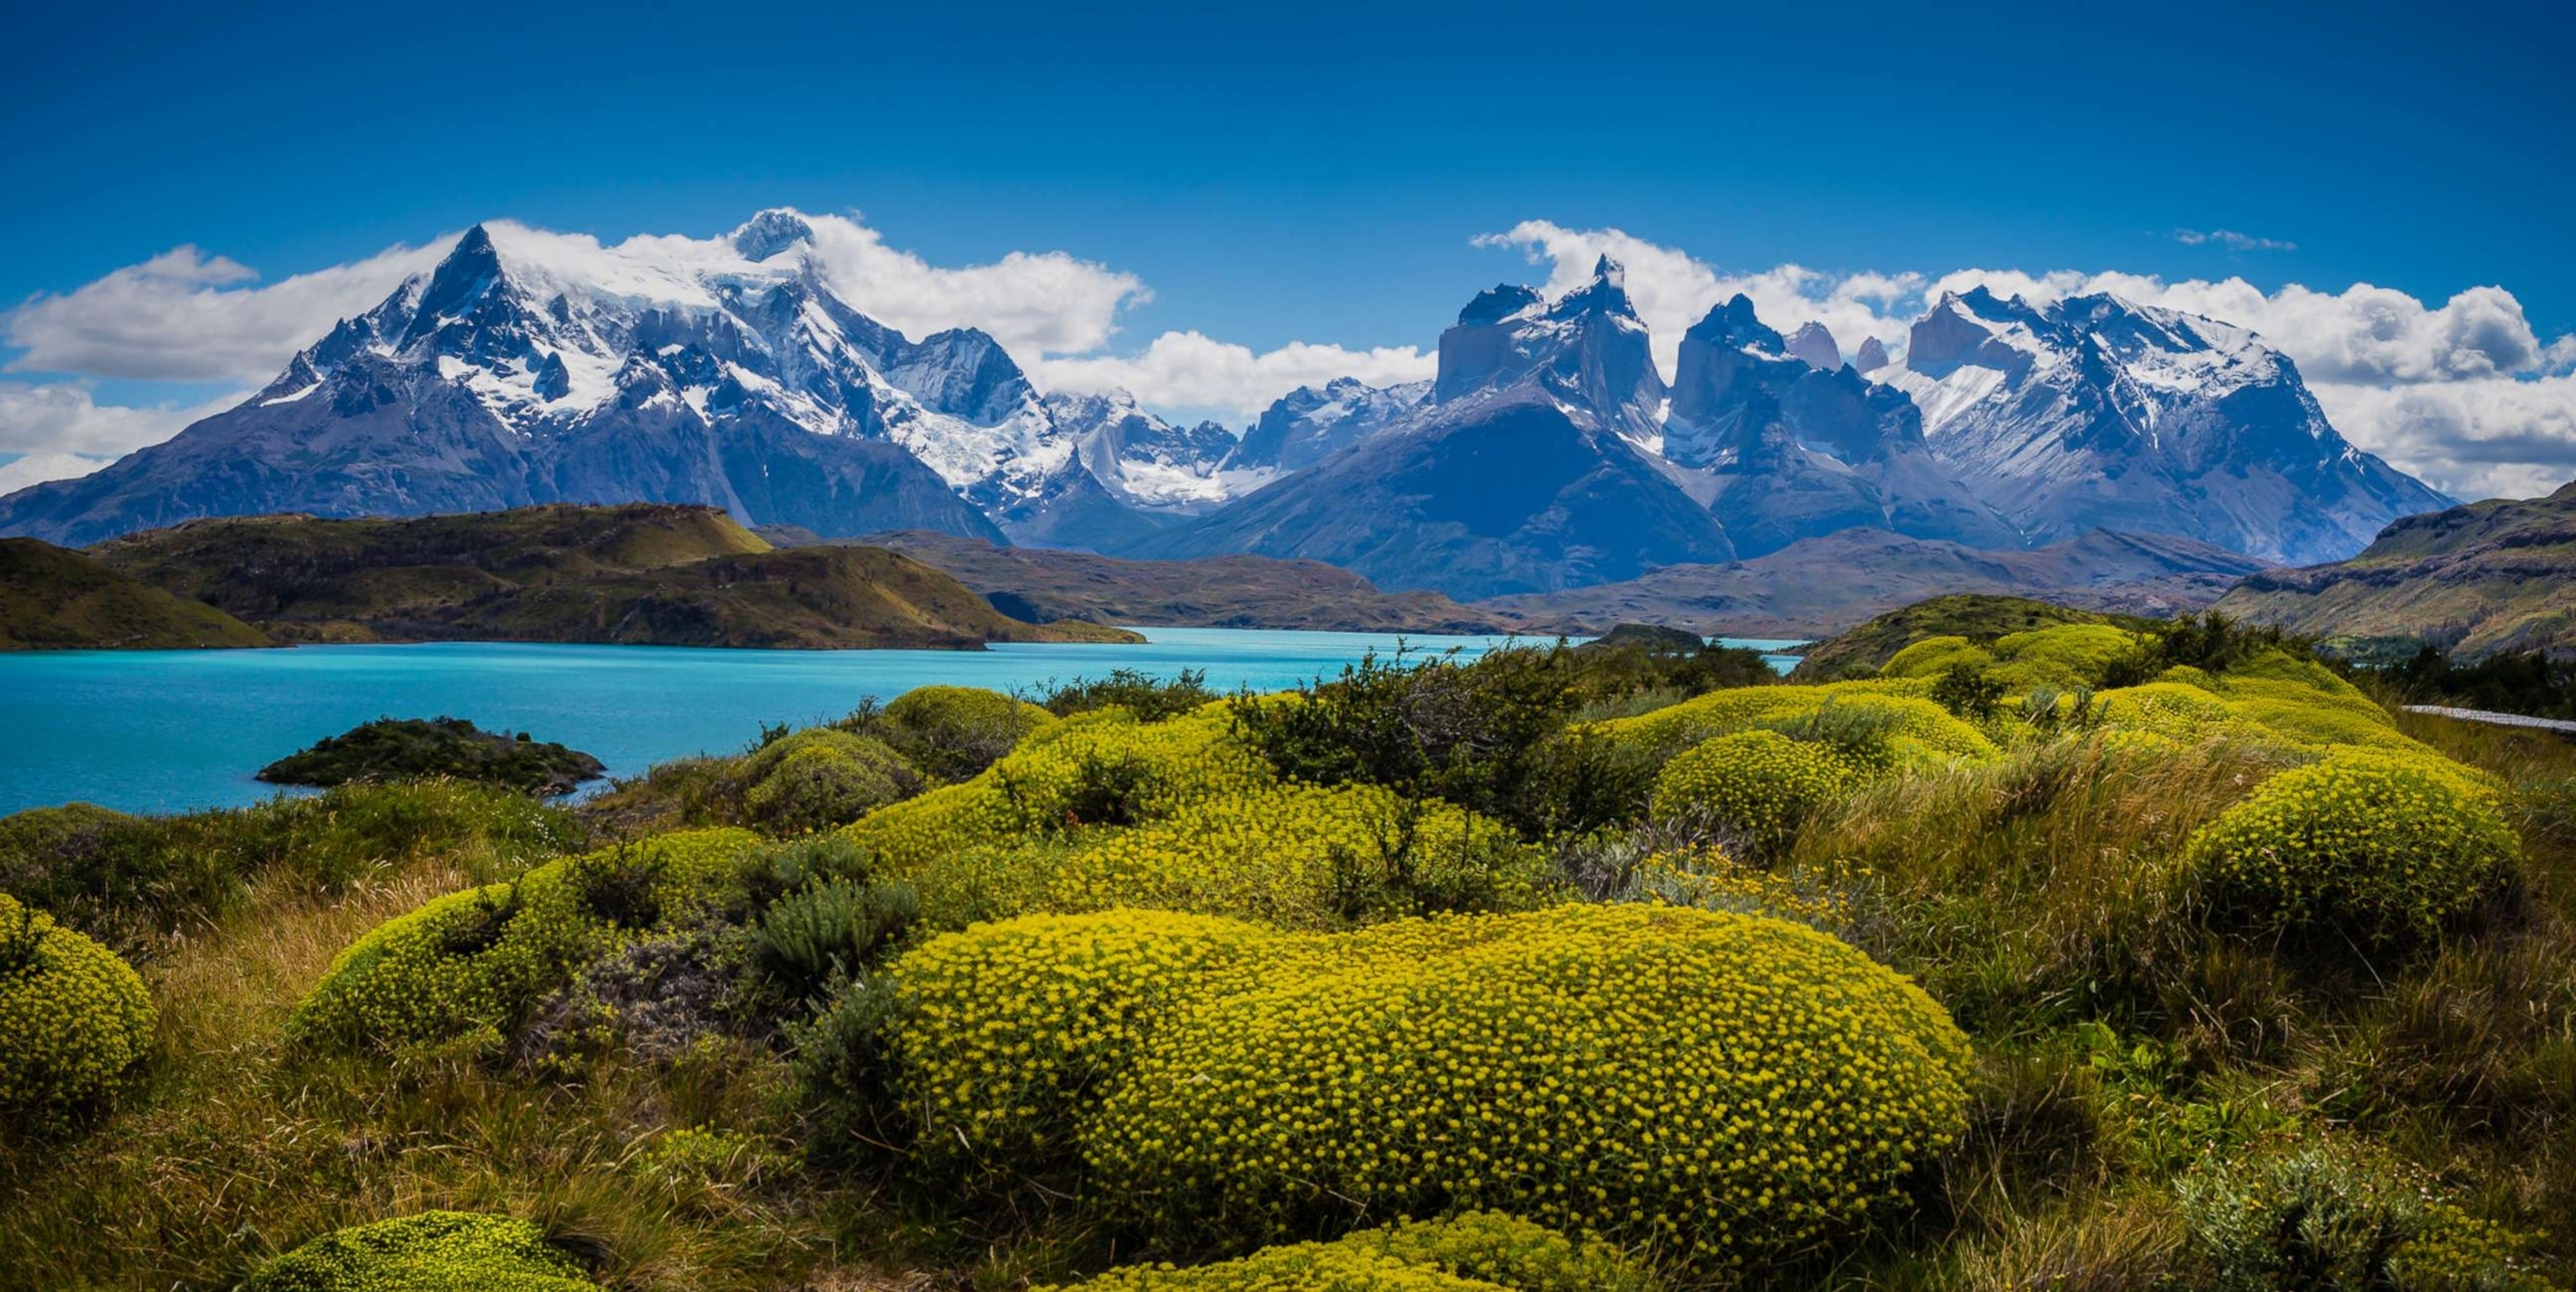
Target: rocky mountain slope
[(2095, 412), (52, 598), (641, 574), (1823, 585), (2478, 580), (1044, 586), (1781, 449)]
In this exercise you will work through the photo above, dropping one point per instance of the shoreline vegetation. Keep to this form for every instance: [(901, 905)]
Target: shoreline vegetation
[(2023, 950), (398, 749)]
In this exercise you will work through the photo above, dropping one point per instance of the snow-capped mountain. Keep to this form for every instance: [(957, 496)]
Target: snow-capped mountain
[(1148, 463), (1309, 424), (1782, 449), (530, 367), (1525, 474), (1586, 348), (2095, 412)]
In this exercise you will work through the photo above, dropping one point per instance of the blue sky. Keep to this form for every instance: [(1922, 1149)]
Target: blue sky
[(1316, 172)]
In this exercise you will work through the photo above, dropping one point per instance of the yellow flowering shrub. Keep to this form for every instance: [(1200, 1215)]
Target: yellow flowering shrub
[(2061, 655), (478, 960), (1006, 1027), (1708, 878), (1480, 1251), (434, 1251), (73, 1017), (2173, 709), (953, 732), (1297, 856), (1933, 656), (2390, 844), (1760, 784), (1917, 731), (822, 777), (1721, 1085)]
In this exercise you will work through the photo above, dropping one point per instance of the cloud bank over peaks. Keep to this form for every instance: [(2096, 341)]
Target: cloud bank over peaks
[(2465, 394)]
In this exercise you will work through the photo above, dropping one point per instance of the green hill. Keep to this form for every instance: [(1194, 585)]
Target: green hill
[(639, 574), (2485, 579), (55, 599)]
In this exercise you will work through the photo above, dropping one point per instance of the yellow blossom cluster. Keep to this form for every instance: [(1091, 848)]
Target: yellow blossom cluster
[(1478, 1251), (433, 1249), (2060, 656), (1295, 856), (473, 963), (73, 1017), (1917, 732), (1709, 878), (2388, 843), (1761, 785), (1093, 768), (1720, 1085)]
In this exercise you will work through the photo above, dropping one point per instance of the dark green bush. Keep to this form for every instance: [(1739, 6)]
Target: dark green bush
[(400, 749), (812, 936), (131, 880), (1150, 698)]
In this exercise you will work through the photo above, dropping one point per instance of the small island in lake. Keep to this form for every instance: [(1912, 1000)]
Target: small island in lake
[(394, 749)]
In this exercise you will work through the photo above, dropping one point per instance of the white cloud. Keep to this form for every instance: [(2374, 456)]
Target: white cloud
[(1194, 371), (62, 418), (182, 317), (37, 468), (2464, 394), (1035, 304), (2230, 239), (2493, 437)]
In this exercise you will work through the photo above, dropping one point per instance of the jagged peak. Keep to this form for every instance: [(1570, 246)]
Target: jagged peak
[(1605, 294), (771, 232), (1733, 323), (1496, 303)]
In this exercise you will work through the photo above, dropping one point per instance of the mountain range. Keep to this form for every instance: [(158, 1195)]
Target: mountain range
[(1549, 452)]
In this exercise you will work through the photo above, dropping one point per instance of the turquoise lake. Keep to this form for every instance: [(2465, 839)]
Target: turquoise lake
[(166, 731)]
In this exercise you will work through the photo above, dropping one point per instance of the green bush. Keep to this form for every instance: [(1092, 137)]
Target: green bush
[(953, 732), (1725, 1087), (1758, 787), (1475, 1252), (821, 778), (2335, 1215), (835, 928), (394, 749), (73, 1018), (475, 963), (435, 1251), (2387, 845), (1149, 698), (130, 881)]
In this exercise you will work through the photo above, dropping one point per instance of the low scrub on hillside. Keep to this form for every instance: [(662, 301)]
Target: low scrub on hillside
[(2043, 951), (399, 749)]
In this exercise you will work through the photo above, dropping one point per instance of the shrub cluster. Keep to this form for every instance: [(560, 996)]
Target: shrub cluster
[(1757, 786), (821, 778), (1724, 1086), (475, 963), (73, 1018), (130, 880), (953, 732), (2332, 1214), (2388, 845), (391, 749), (434, 1250), (1296, 856), (1098, 768), (1885, 724), (1479, 1251)]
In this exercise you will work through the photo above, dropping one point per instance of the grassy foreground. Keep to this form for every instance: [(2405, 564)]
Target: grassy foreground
[(722, 1065)]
